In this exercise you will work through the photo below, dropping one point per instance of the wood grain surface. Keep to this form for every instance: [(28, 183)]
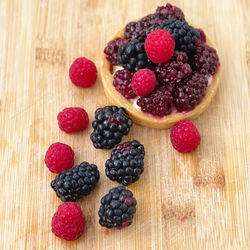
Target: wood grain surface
[(193, 201)]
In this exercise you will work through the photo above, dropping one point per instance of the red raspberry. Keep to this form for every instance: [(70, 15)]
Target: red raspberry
[(143, 82), (59, 157), (68, 222), (159, 46), (72, 120), (83, 72), (185, 137)]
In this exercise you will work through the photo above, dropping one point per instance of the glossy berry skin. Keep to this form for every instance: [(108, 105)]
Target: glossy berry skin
[(68, 222), (110, 125), (112, 48), (122, 83), (185, 137), (74, 183), (83, 72), (159, 46), (173, 71), (126, 163), (73, 119), (143, 82), (170, 11), (59, 157), (117, 208)]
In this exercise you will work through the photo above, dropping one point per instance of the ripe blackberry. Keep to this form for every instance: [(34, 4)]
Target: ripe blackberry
[(122, 83), (110, 125), (141, 28), (117, 208), (111, 50), (126, 163), (205, 59), (74, 183), (133, 56), (185, 35), (158, 103), (174, 70), (189, 92), (170, 11)]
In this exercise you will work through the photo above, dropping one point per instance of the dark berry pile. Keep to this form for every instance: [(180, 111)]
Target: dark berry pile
[(206, 60), (133, 56), (157, 103), (189, 93), (126, 163), (74, 183), (122, 83), (185, 35), (117, 208), (111, 50), (181, 81), (174, 70), (110, 125)]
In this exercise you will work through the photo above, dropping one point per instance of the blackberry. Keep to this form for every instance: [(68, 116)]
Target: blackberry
[(74, 183), (202, 35), (110, 125), (111, 50), (189, 93), (133, 56), (122, 83), (126, 163), (174, 70), (141, 28), (157, 103), (170, 11), (117, 208), (185, 35), (205, 59)]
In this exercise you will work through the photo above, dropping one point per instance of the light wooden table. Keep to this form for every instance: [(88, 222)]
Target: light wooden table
[(193, 201)]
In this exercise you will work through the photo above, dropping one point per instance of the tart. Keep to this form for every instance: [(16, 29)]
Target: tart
[(187, 82)]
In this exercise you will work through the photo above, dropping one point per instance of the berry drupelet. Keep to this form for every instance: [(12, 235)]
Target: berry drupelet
[(111, 50), (170, 11), (133, 56), (117, 208), (74, 183), (205, 60), (126, 163), (185, 35), (158, 103), (122, 83), (174, 70), (110, 125), (189, 92)]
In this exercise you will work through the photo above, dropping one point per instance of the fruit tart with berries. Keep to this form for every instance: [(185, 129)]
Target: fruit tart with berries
[(161, 69)]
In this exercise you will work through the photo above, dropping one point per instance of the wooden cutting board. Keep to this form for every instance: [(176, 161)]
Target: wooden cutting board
[(193, 201)]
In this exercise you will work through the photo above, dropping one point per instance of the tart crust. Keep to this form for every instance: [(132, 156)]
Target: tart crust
[(146, 119)]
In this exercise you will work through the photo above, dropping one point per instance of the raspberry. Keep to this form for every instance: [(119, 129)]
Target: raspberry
[(117, 208), (133, 56), (72, 120), (68, 222), (110, 125), (158, 103), (205, 59), (143, 82), (59, 157), (174, 70), (185, 35), (159, 46), (170, 11), (74, 183), (126, 163), (189, 92), (122, 83), (202, 35), (111, 50), (83, 72), (185, 137)]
